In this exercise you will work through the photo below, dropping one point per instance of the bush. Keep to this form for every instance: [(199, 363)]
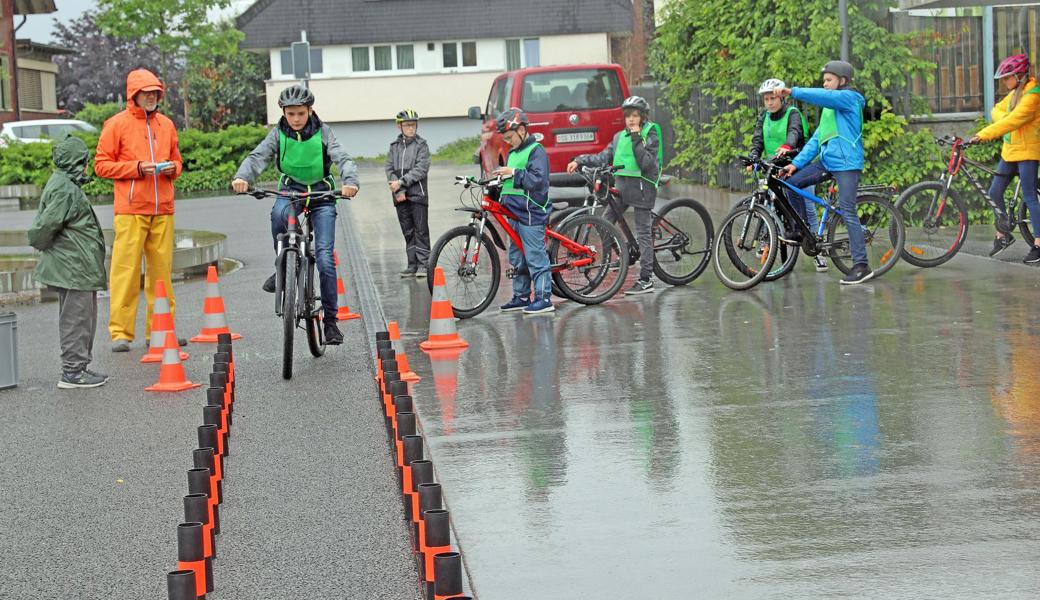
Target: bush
[(458, 152), (97, 114)]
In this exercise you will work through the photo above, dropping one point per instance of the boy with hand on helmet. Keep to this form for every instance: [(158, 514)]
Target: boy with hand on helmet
[(636, 148), (1017, 119), (838, 141), (407, 164), (781, 130), (526, 195), (304, 150)]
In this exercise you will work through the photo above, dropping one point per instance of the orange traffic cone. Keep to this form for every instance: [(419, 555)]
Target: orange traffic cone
[(171, 376), (214, 322), (162, 322), (445, 367), (407, 374), (343, 314), (443, 334)]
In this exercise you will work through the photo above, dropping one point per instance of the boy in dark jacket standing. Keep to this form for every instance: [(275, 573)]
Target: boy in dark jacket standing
[(407, 164), (67, 233)]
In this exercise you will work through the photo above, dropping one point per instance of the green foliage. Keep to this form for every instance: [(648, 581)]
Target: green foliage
[(226, 88), (97, 114), (25, 163), (459, 152), (723, 46)]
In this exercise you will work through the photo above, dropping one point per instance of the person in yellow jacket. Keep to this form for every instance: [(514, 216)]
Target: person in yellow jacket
[(1016, 119), (138, 150)]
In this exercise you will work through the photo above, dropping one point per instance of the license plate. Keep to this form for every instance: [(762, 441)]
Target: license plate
[(567, 138)]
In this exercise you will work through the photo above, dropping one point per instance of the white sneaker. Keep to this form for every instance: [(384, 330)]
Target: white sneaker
[(821, 265)]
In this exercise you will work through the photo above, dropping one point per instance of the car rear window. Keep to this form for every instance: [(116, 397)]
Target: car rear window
[(591, 89)]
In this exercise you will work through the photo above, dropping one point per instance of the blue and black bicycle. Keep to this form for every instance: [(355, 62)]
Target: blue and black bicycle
[(759, 240)]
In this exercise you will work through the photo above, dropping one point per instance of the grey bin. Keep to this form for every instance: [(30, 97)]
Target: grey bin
[(8, 350)]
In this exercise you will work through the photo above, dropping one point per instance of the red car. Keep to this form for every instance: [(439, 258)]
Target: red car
[(573, 109)]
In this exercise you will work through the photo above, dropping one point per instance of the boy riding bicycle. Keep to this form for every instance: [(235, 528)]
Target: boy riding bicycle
[(838, 141), (526, 195), (304, 149), (781, 131), (1016, 118), (637, 149)]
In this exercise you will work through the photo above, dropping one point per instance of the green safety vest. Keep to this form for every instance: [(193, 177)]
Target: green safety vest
[(303, 161), (774, 133), (518, 159), (624, 156), (828, 129)]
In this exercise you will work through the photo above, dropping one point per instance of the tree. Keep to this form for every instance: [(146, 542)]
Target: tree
[(226, 88), (176, 28), (96, 74)]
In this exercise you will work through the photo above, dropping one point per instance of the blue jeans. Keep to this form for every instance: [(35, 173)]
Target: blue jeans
[(323, 224), (810, 209), (848, 183), (531, 263), (1026, 171)]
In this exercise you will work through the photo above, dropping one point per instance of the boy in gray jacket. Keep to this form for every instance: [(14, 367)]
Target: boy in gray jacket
[(407, 165)]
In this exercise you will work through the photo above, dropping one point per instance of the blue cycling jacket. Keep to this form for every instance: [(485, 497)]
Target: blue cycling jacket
[(842, 153)]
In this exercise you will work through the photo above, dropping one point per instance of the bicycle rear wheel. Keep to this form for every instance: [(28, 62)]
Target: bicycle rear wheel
[(312, 308), (1025, 226), (603, 256), (289, 312), (745, 248), (883, 233), (936, 223), (471, 269), (681, 234)]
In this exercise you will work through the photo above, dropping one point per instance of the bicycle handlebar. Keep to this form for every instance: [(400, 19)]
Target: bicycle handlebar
[(259, 193), (950, 140), (468, 181)]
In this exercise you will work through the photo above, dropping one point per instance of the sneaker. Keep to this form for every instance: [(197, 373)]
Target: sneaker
[(1033, 257), (821, 265), (269, 284), (120, 345), (540, 306), (96, 374), (640, 287), (409, 272), (1001, 244), (420, 272), (858, 274), (82, 379), (333, 336), (517, 303)]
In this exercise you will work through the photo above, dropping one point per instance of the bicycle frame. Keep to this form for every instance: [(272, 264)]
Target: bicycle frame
[(959, 162), (298, 238)]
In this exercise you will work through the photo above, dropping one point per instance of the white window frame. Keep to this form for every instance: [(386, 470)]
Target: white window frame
[(458, 54)]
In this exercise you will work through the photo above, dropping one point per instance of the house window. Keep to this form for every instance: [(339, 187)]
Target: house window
[(287, 64), (469, 54), (532, 55), (316, 66), (384, 58), (359, 58), (30, 89), (513, 61), (450, 52), (522, 53), (5, 85), (406, 57)]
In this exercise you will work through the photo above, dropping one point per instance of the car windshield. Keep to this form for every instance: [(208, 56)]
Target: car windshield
[(592, 89), (55, 131)]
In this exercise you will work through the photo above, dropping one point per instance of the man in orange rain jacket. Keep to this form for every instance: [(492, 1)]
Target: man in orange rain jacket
[(138, 151)]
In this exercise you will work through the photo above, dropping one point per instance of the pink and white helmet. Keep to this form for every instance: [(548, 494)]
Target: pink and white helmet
[(1016, 64)]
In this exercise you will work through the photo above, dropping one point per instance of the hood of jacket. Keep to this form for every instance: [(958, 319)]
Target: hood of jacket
[(136, 81), (71, 157), (312, 127)]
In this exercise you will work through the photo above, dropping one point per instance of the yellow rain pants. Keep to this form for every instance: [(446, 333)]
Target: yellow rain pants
[(152, 236)]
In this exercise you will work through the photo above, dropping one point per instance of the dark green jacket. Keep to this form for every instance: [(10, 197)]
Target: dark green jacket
[(66, 229)]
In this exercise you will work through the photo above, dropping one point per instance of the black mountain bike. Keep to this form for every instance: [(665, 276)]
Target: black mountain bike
[(296, 298), (681, 229)]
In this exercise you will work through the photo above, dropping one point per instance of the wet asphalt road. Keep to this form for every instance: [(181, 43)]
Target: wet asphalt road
[(802, 440)]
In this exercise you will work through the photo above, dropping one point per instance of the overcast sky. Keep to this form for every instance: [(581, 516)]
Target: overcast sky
[(39, 28)]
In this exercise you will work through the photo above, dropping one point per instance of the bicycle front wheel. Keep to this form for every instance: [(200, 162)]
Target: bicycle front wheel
[(471, 269), (315, 334), (936, 223), (682, 234), (591, 266), (289, 312), (883, 234), (745, 248)]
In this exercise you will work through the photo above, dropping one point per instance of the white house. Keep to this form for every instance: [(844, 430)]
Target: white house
[(372, 58)]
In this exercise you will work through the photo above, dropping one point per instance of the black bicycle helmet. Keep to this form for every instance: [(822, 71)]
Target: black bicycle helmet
[(295, 95), (839, 68), (637, 102), (407, 115), (511, 119)]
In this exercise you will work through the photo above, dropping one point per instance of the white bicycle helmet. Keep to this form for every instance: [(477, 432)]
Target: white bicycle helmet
[(770, 85)]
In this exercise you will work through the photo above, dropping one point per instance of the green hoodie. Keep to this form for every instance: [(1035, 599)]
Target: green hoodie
[(66, 229)]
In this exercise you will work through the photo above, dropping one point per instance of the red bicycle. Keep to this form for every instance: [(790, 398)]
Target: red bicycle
[(589, 271)]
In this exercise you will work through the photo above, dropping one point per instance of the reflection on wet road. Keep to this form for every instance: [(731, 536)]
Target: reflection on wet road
[(800, 440)]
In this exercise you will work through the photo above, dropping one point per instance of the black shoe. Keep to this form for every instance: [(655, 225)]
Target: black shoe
[(640, 287), (409, 272), (858, 274), (1033, 257), (269, 284), (420, 272), (82, 379), (1001, 244), (333, 336)]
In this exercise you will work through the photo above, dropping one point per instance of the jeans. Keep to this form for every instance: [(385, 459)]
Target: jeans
[(848, 183), (323, 224), (644, 223), (531, 264), (811, 218), (1027, 173)]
